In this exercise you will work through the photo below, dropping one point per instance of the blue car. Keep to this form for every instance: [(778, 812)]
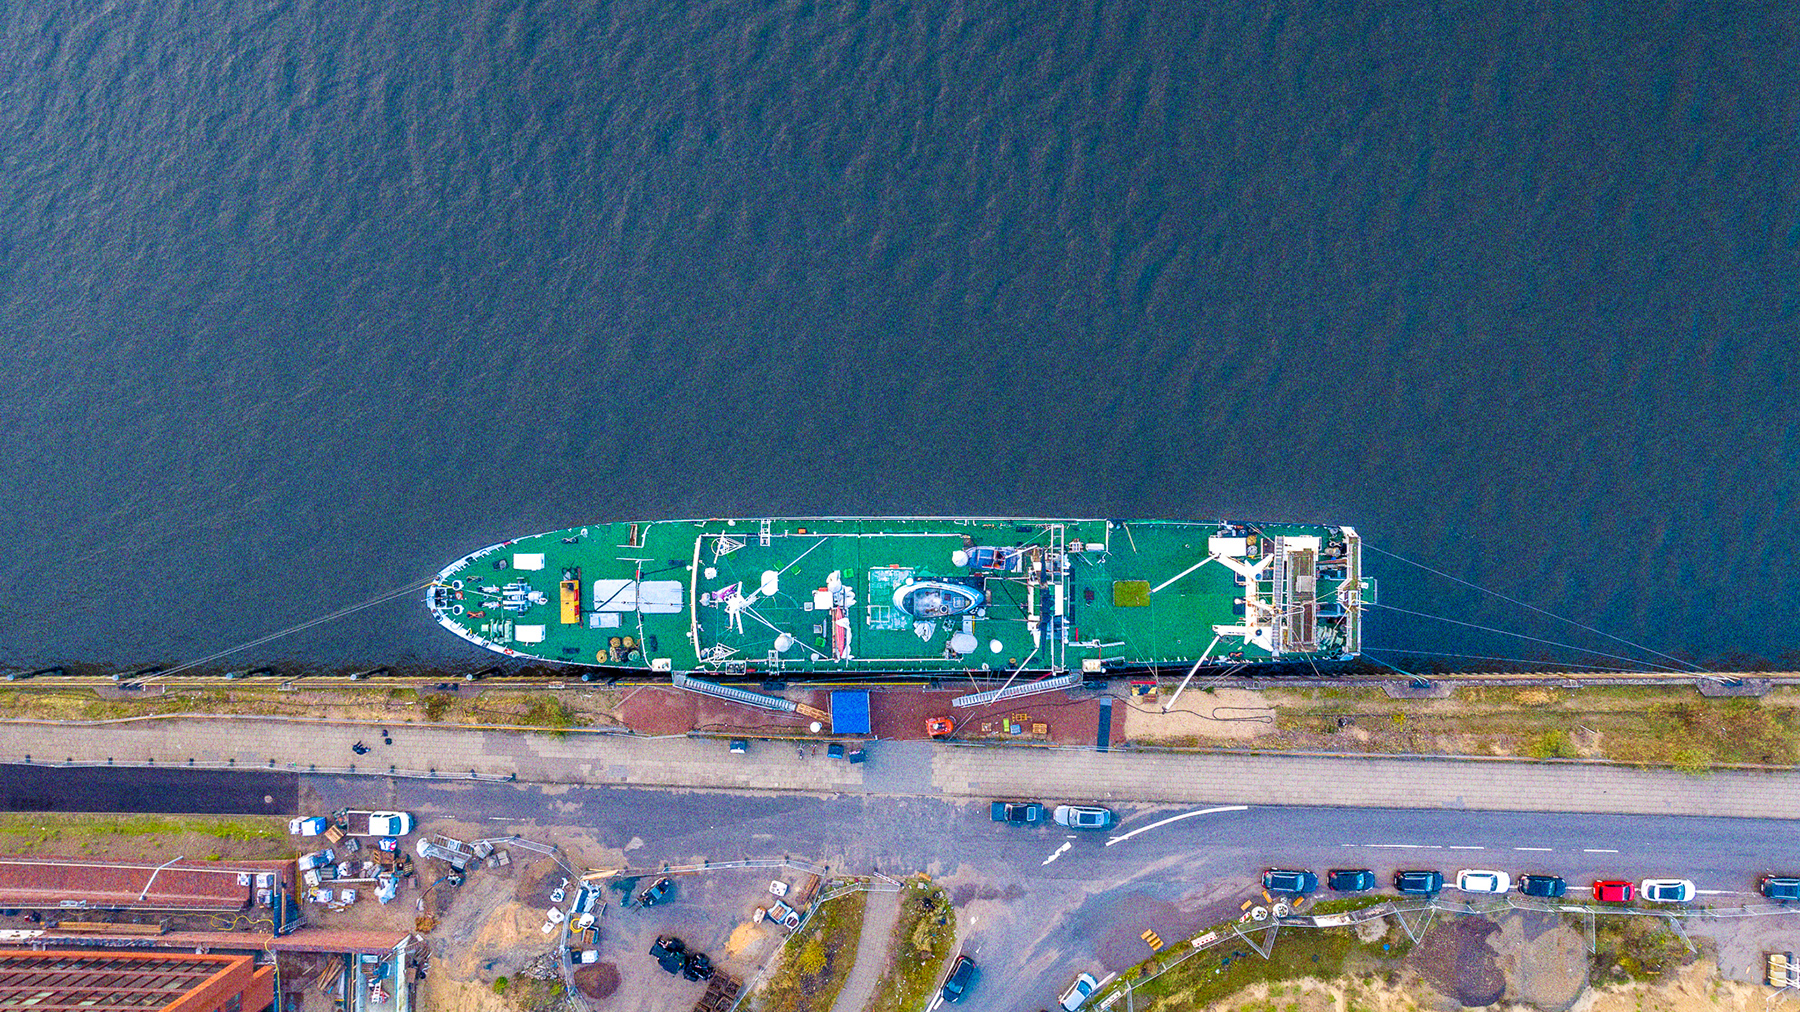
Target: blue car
[(1283, 880), (962, 974)]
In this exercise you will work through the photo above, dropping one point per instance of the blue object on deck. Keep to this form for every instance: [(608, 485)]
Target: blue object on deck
[(1104, 736), (849, 711)]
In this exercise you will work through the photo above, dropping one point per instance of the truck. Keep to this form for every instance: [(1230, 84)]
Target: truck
[(308, 826), (359, 823)]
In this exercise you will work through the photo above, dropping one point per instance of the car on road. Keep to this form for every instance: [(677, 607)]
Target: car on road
[(1078, 992), (962, 974), (1349, 880), (1780, 887), (1287, 880), (1481, 880), (1545, 886), (1419, 882), (1083, 816), (1667, 890), (1612, 891), (1017, 813)]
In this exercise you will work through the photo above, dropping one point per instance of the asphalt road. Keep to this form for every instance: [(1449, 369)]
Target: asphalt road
[(136, 789), (1047, 903)]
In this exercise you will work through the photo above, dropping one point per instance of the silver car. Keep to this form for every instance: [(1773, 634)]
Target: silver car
[(1078, 992), (1083, 817)]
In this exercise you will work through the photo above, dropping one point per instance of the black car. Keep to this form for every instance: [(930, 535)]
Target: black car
[(657, 892), (1780, 887), (1349, 880), (962, 974), (1546, 886), (697, 966), (1419, 882)]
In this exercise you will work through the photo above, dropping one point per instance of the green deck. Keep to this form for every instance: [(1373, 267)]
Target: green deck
[(1133, 595)]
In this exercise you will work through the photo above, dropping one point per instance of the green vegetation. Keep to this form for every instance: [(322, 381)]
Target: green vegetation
[(924, 937), (1203, 979), (1552, 744), (1636, 949), (37, 833), (499, 985), (1669, 726), (817, 959), (551, 714)]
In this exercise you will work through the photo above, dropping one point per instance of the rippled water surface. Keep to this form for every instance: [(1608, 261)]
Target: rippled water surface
[(299, 301)]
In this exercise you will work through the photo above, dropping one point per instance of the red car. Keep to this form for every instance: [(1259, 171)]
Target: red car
[(1612, 892)]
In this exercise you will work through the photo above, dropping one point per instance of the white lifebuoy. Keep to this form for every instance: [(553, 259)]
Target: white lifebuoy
[(456, 584), (456, 609)]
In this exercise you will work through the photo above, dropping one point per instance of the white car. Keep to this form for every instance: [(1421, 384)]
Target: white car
[(1479, 880), (1078, 992), (390, 823), (1666, 890)]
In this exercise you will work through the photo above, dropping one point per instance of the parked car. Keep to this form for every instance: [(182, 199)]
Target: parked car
[(962, 974), (1349, 880), (390, 823), (1078, 992), (1612, 891), (1017, 813), (1546, 886), (1667, 890), (1419, 882), (1480, 880), (1780, 887), (1083, 816), (1284, 880)]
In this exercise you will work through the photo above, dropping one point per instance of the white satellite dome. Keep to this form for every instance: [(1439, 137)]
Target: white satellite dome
[(996, 646), (784, 643), (963, 643), (959, 558)]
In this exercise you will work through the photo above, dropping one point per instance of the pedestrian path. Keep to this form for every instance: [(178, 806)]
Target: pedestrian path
[(871, 952), (907, 768)]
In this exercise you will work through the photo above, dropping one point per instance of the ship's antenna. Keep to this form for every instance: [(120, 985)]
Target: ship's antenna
[(1533, 607)]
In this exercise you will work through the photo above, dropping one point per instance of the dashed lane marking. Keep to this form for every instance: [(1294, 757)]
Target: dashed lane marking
[(1546, 850), (1597, 850), (1465, 847)]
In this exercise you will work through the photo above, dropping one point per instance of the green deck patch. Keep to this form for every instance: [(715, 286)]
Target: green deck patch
[(1131, 593)]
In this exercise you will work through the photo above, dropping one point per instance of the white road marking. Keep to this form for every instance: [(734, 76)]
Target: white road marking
[(1405, 846), (1544, 849), (1058, 852), (1595, 850), (1176, 818), (1465, 847), (1718, 892)]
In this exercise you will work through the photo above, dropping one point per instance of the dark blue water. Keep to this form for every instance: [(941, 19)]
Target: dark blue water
[(299, 301)]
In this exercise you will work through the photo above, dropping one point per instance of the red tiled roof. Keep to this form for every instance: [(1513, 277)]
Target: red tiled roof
[(47, 882)]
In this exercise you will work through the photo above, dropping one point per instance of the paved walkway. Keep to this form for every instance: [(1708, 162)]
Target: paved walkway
[(913, 768), (871, 952)]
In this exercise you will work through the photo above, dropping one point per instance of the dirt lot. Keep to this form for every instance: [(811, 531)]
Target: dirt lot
[(712, 913)]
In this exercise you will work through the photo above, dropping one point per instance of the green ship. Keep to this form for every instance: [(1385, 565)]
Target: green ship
[(868, 597)]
